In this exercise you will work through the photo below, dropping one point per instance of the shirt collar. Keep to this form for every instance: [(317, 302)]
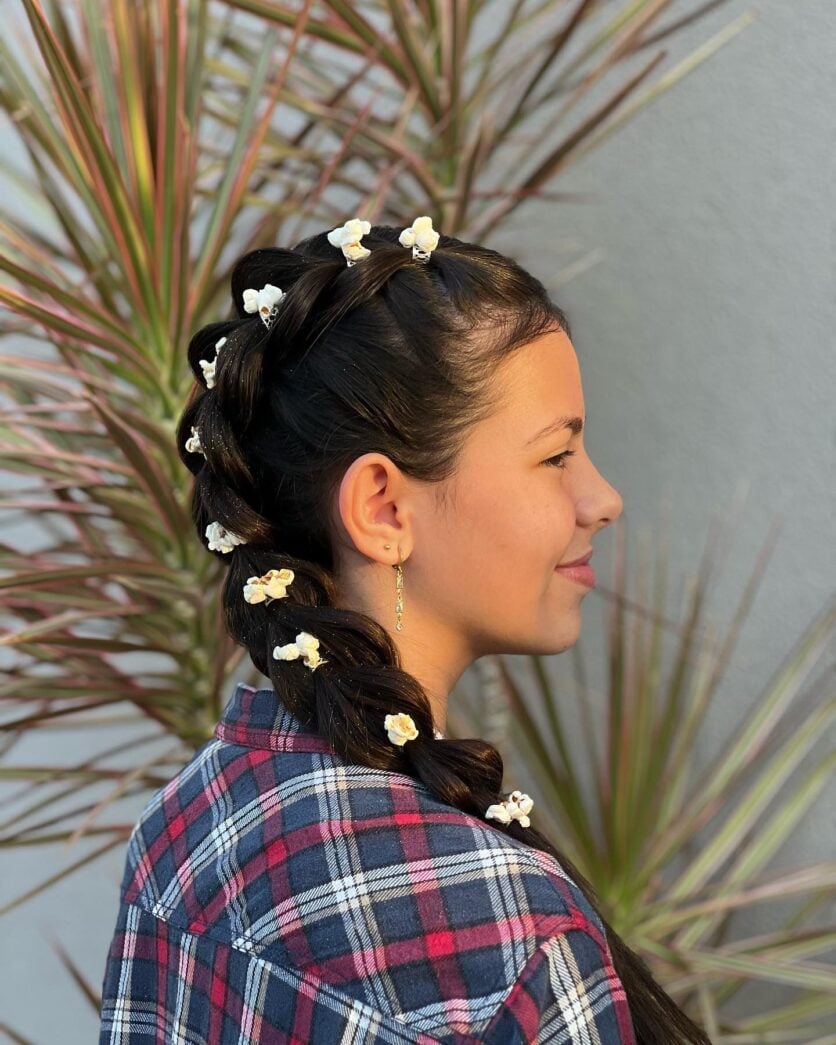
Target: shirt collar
[(257, 718)]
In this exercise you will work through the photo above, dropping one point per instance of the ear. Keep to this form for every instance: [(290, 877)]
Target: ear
[(374, 506)]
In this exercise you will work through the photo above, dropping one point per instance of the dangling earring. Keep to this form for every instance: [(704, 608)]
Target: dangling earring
[(398, 590)]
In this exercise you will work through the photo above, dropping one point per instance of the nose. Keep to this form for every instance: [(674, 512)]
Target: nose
[(598, 503)]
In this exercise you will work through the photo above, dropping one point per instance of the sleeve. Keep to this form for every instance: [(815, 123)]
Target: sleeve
[(568, 992)]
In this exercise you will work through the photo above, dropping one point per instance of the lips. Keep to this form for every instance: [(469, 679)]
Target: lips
[(582, 561)]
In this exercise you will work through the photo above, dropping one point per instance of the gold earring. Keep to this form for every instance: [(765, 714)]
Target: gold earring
[(398, 590), (399, 593)]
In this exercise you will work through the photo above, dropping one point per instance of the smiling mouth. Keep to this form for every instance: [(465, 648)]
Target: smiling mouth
[(581, 573), (582, 561)]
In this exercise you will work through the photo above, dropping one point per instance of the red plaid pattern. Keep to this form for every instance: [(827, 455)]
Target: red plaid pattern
[(275, 893)]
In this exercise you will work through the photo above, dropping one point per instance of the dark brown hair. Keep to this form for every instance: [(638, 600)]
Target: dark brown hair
[(392, 355)]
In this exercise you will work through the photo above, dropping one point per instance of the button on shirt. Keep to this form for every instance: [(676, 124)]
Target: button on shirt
[(275, 893)]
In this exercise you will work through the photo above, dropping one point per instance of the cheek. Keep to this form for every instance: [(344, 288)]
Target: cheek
[(533, 524), (552, 512), (556, 532), (503, 520)]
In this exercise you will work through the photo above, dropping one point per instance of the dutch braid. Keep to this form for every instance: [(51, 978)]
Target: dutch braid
[(387, 355)]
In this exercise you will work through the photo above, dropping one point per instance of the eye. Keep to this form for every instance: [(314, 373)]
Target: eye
[(559, 461)]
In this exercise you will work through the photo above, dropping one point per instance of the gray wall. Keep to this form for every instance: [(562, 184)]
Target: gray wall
[(704, 329), (703, 314)]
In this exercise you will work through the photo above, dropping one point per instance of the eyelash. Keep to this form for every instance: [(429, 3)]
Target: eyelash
[(558, 461)]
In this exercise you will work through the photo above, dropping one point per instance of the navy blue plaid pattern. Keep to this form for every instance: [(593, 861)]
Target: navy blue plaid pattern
[(275, 893)]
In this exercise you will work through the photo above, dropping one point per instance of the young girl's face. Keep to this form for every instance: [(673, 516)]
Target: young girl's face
[(521, 503)]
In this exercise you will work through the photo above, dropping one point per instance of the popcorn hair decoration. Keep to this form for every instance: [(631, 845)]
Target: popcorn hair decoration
[(221, 539), (306, 646), (400, 728), (271, 585), (348, 236), (265, 302), (516, 807), (421, 236), (193, 443), (209, 368)]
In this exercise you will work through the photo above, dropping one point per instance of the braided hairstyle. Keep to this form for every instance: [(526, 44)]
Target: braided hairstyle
[(390, 355)]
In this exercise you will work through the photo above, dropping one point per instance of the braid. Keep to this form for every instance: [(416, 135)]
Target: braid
[(385, 355)]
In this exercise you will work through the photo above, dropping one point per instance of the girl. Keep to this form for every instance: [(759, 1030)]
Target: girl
[(387, 444)]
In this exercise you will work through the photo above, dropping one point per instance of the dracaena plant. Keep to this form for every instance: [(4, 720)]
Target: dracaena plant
[(490, 100), (162, 141), (676, 850)]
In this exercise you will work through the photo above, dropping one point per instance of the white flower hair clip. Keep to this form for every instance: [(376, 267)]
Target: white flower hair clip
[(516, 807), (220, 539), (306, 646), (265, 302), (271, 585), (193, 443), (209, 368), (348, 238), (421, 236)]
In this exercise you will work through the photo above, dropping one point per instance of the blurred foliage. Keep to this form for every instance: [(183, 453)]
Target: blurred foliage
[(674, 854)]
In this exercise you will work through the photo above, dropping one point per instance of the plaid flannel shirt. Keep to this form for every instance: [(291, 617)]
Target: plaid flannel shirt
[(275, 893)]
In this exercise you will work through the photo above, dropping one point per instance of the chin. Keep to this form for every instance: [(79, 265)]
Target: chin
[(567, 636), (557, 643)]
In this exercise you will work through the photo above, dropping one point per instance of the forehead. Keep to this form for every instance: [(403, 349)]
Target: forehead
[(537, 383)]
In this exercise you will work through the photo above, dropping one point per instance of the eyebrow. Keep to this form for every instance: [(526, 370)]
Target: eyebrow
[(575, 423)]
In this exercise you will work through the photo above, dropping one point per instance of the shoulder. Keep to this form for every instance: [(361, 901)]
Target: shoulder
[(365, 881), (473, 862), (302, 822), (491, 861)]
